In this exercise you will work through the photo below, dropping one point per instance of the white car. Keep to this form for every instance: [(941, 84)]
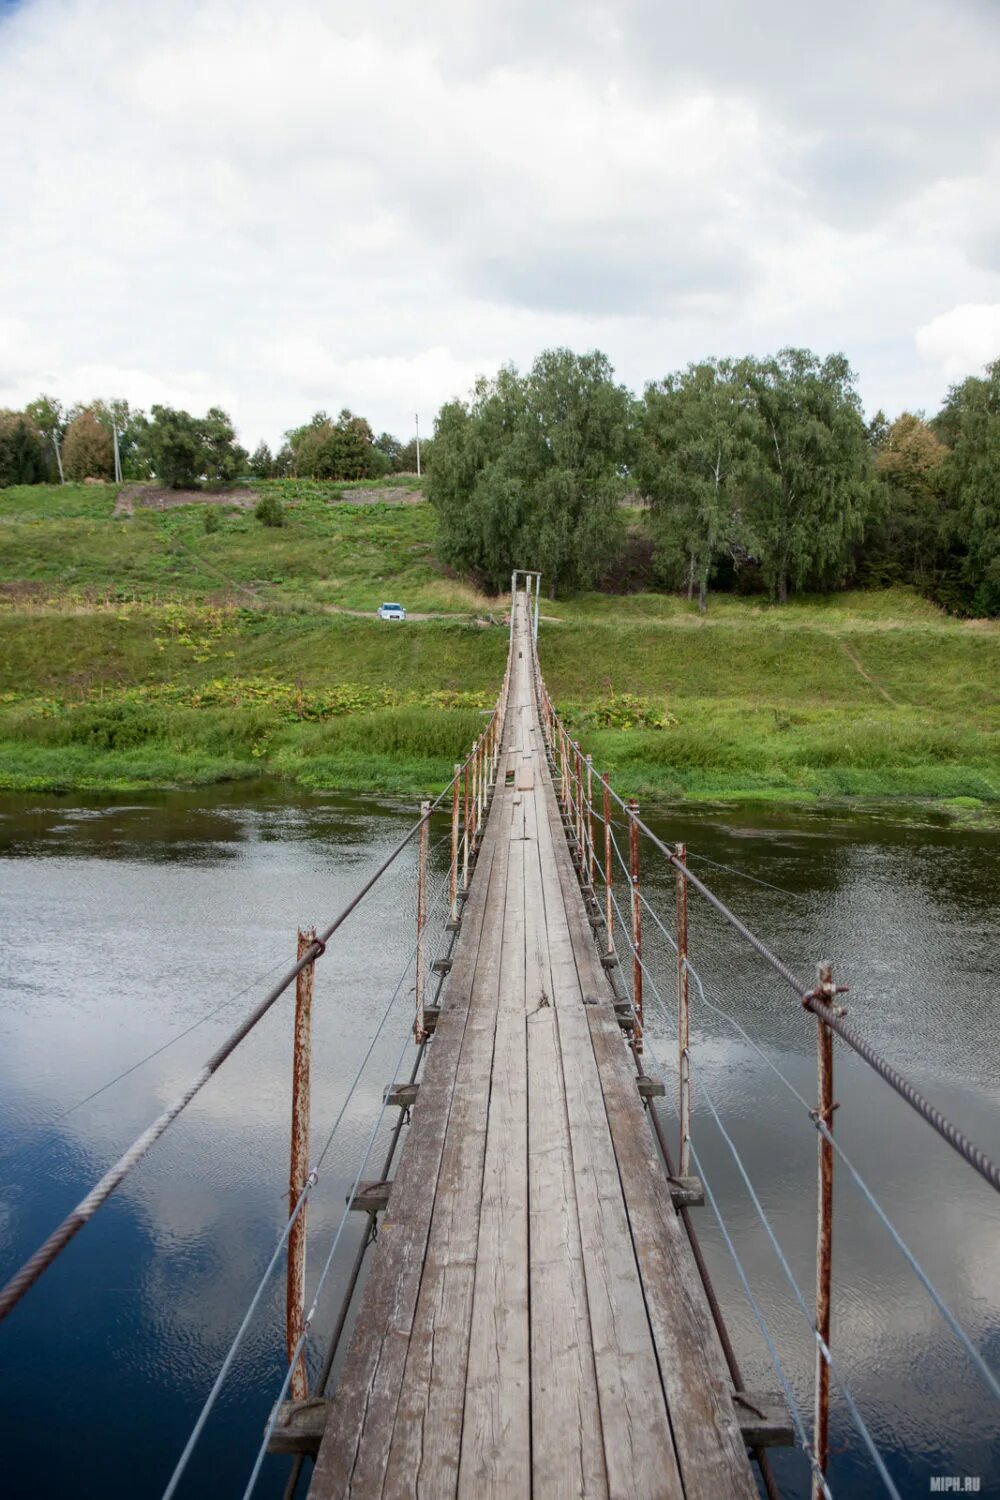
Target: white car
[(391, 612)]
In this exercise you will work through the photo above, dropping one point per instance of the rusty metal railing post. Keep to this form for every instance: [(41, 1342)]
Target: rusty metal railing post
[(578, 767), (298, 1170), (633, 854), (826, 990), (590, 819), (563, 783), (453, 871), (465, 832), (608, 862), (423, 853), (683, 1017)]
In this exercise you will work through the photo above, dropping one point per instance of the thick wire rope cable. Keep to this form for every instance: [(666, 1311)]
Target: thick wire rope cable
[(29, 1272), (311, 1180)]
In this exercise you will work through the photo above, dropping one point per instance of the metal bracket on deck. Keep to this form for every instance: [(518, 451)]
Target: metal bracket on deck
[(300, 1426), (763, 1418), (431, 1013), (370, 1197), (625, 1015), (650, 1088), (609, 960), (402, 1095), (686, 1192), (441, 966), (453, 924)]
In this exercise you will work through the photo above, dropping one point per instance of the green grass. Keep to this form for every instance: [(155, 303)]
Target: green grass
[(147, 651)]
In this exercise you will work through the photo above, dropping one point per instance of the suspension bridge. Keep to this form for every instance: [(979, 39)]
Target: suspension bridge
[(538, 1317)]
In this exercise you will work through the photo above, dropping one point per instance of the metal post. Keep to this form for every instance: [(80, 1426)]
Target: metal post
[(417, 421), (298, 1170), (563, 782), (465, 833), (824, 1228), (581, 848), (513, 599), (633, 851), (453, 872), (423, 851), (608, 865), (538, 590), (590, 819), (683, 1016)]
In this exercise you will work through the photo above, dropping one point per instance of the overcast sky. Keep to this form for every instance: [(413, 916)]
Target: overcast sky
[(280, 206)]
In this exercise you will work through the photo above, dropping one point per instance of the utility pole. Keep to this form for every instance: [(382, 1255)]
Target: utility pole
[(417, 420), (118, 461), (55, 444)]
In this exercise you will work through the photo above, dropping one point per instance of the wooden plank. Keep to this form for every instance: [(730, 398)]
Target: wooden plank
[(567, 1459), (353, 1452), (638, 1446), (709, 1445), (427, 1438), (496, 1434)]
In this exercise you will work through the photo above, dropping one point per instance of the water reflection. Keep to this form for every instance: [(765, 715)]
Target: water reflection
[(123, 921)]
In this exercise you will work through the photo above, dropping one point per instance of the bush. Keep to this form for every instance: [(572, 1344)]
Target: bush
[(270, 511), (211, 519)]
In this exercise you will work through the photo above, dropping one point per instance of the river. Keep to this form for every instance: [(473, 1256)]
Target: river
[(126, 921)]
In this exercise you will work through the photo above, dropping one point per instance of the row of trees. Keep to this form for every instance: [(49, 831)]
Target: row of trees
[(759, 474), (47, 442)]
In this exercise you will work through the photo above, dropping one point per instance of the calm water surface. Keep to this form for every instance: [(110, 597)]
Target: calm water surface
[(125, 921)]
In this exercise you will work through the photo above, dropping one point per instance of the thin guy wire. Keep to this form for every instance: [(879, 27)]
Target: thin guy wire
[(297, 1351), (931, 1290), (779, 1368), (38, 1262), (789, 1276), (227, 1362), (901, 1244)]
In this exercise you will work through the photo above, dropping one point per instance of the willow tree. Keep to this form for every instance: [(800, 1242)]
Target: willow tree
[(530, 472), (695, 433), (971, 416), (809, 490)]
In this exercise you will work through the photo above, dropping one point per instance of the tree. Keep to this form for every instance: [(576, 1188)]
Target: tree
[(261, 462), (695, 434), (809, 490), (46, 416), (971, 475), (327, 449), (909, 543), (22, 454), (530, 473), (181, 449), (224, 459), (87, 448), (390, 447), (174, 446), (119, 417)]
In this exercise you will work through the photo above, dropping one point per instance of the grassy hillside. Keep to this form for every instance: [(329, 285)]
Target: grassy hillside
[(146, 649)]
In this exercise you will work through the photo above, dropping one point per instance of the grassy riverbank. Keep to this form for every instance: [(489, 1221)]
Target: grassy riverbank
[(146, 650)]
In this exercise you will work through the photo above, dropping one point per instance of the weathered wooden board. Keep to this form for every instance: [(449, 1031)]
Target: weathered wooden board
[(427, 1439)]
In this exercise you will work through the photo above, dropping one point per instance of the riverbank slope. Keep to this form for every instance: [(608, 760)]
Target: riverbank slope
[(158, 648)]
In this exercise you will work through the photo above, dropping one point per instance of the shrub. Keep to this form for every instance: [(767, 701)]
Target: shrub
[(211, 518), (270, 511)]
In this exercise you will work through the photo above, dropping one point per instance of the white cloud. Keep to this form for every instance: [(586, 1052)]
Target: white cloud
[(278, 209), (963, 340)]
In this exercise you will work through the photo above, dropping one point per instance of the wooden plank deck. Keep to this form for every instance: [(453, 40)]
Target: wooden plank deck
[(533, 1324)]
